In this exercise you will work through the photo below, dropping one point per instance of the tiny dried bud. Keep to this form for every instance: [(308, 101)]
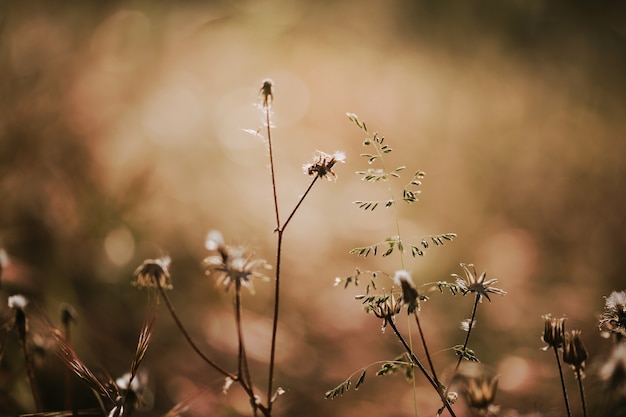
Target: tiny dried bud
[(267, 93), (68, 314)]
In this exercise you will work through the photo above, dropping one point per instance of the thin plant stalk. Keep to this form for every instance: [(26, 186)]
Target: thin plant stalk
[(425, 346), (31, 377), (565, 398), (22, 330), (579, 377), (69, 381), (280, 229), (418, 363), (243, 369), (467, 336), (188, 337)]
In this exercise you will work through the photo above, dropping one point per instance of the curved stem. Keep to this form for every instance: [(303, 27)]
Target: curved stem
[(188, 337), (558, 362), (417, 362)]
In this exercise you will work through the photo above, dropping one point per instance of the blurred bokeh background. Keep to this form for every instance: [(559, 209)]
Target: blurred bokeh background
[(121, 139)]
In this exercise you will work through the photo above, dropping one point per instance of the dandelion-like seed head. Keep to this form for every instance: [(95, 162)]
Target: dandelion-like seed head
[(153, 273), (613, 318), (471, 282), (574, 352), (266, 93), (554, 331), (322, 165), (233, 264), (17, 301), (410, 295)]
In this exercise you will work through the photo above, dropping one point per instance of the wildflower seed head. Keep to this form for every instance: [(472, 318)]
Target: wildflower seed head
[(17, 301), (613, 318), (137, 393), (153, 273), (613, 372), (554, 332), (267, 93), (233, 264), (574, 352), (480, 391), (410, 296), (322, 165), (471, 282)]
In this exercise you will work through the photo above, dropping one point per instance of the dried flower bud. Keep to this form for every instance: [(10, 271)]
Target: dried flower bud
[(480, 391), (554, 332), (153, 273), (574, 352), (267, 93)]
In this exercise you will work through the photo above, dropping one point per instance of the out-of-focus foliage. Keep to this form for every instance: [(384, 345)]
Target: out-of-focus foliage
[(122, 138)]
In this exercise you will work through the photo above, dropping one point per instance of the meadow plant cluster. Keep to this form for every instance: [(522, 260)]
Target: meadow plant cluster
[(385, 295)]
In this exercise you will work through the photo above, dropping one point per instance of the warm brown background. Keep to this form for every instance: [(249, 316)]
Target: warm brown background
[(121, 139)]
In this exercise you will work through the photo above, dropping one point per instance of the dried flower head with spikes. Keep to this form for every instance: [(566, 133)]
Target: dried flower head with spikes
[(233, 264), (477, 284), (322, 165), (153, 273)]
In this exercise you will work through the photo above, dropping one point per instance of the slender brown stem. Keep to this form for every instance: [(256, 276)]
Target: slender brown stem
[(579, 377), (417, 362), (31, 377), (69, 381), (424, 345), (558, 362), (299, 203), (467, 336), (270, 381), (242, 360), (189, 339), (268, 122)]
